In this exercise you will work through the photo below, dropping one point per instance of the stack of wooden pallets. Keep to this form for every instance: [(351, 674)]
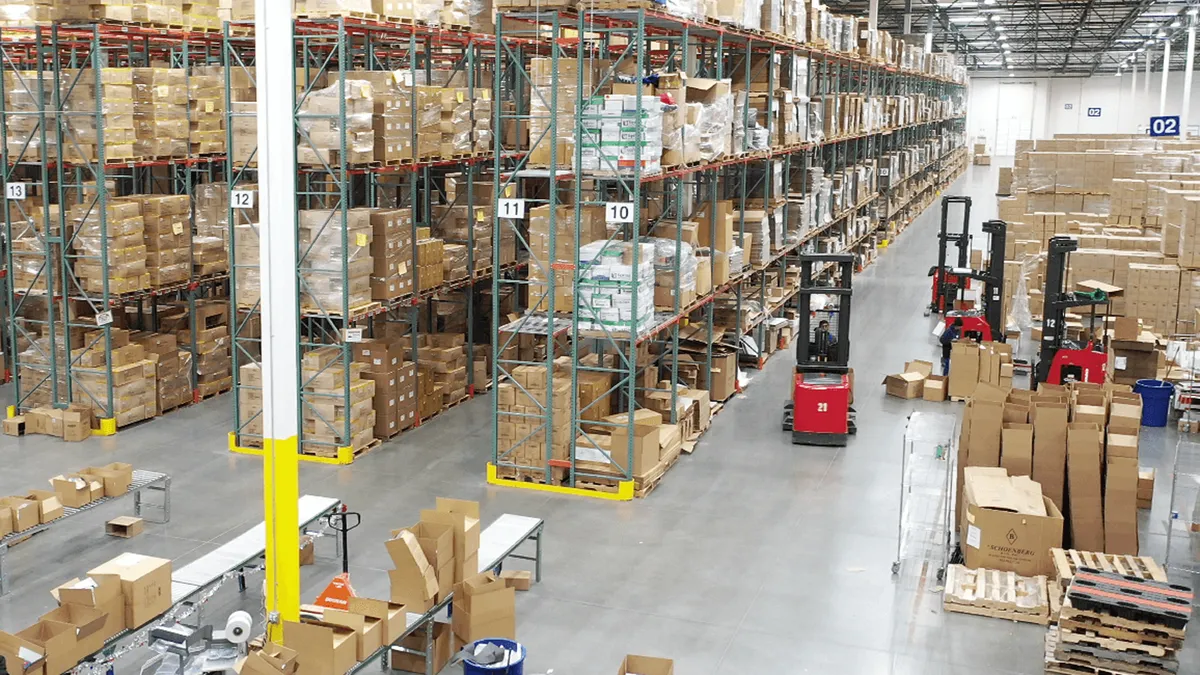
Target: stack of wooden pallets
[(1118, 623)]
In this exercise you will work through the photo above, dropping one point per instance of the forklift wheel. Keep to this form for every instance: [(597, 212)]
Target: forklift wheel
[(928, 311)]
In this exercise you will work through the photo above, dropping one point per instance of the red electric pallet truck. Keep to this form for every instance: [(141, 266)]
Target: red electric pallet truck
[(987, 323), (1061, 360), (819, 412), (946, 284)]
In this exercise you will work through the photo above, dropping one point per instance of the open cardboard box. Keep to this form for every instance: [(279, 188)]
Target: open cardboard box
[(911, 382), (1008, 524)]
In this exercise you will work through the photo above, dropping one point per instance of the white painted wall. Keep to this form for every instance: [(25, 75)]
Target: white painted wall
[(1122, 111)]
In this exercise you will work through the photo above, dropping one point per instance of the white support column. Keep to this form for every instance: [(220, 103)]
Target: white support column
[(1133, 83), (1146, 84), (1187, 78), (275, 75), (1166, 70), (873, 14)]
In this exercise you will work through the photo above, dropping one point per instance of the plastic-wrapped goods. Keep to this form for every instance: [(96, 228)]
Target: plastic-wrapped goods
[(816, 121), (40, 12), (332, 7), (109, 246), (161, 12), (615, 295), (206, 113), (554, 93), (428, 12), (167, 234), (710, 111), (622, 134), (456, 13), (751, 14), (211, 210), (688, 9), (335, 259), (455, 122), (330, 406), (82, 129), (247, 277), (671, 270), (320, 122), (160, 112)]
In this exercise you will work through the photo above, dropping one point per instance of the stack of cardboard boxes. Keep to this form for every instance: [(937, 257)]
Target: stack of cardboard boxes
[(391, 254), (325, 260), (456, 124), (522, 439), (122, 594), (173, 381), (113, 125), (110, 247), (395, 399), (565, 246), (326, 416), (430, 255), (160, 112), (206, 110), (168, 237), (442, 358), (214, 361), (134, 389), (323, 132)]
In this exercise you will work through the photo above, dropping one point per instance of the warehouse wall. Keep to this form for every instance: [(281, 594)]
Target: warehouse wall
[(996, 102)]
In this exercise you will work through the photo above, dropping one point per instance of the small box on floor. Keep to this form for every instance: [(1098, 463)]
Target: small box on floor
[(646, 665)]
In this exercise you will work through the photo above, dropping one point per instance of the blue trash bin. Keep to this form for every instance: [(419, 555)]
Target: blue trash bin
[(515, 668), (1156, 401)]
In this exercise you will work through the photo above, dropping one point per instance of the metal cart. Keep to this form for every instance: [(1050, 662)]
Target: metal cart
[(925, 528)]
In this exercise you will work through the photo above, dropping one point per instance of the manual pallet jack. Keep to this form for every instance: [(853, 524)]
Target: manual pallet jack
[(1061, 360), (986, 324), (820, 412), (946, 284)]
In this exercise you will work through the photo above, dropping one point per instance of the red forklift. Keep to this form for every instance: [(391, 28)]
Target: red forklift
[(987, 323), (820, 412), (1061, 360), (946, 284)]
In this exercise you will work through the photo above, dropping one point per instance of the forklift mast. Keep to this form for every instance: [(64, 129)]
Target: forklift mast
[(962, 240), (1057, 300), (992, 277), (816, 357)]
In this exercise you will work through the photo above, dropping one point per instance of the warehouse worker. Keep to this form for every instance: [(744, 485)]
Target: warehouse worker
[(824, 341), (952, 333)]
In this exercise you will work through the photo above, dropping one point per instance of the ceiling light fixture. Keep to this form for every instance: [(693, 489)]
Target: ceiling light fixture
[(1175, 24), (1193, 11), (966, 19)]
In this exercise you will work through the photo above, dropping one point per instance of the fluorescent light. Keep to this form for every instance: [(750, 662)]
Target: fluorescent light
[(1127, 40), (965, 19), (1161, 34), (1193, 11), (989, 2), (1007, 51), (1010, 66), (1160, 13), (1140, 50), (1175, 24)]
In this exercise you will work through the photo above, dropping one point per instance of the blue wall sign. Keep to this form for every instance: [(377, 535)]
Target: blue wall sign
[(1093, 112), (1164, 126)]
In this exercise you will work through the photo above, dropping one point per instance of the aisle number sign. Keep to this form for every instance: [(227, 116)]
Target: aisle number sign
[(242, 199), (1093, 112), (618, 212), (16, 191), (512, 208), (1164, 126)]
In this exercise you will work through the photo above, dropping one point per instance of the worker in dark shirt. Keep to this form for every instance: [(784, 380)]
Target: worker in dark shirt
[(952, 333), (824, 342)]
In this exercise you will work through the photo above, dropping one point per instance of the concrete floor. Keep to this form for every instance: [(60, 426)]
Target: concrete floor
[(752, 556)]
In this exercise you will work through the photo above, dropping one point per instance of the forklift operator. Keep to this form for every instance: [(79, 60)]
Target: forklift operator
[(824, 342), (952, 333)]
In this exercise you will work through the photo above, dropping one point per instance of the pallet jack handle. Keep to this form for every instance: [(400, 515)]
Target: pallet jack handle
[(344, 521)]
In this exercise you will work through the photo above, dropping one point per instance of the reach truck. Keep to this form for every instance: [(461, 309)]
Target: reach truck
[(988, 323), (946, 284), (1061, 360), (819, 412)]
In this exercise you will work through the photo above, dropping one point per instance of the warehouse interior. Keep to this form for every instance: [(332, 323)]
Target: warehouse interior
[(477, 361)]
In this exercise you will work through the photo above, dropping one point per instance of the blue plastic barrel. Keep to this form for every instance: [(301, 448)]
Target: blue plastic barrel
[(1156, 401), (515, 668)]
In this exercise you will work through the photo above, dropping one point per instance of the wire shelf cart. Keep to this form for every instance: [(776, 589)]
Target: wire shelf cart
[(925, 527)]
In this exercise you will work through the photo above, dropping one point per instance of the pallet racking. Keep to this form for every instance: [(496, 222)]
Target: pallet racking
[(440, 193), (565, 363), (63, 170)]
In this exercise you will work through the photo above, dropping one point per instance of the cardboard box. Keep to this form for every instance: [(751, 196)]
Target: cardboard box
[(646, 665), (1145, 488), (272, 659), (101, 592), (145, 585), (520, 580), (910, 383), (934, 388), (125, 527), (22, 656), (368, 629), (72, 491), (49, 508), (964, 368), (414, 581), (1084, 458), (484, 606), (58, 643), (391, 616), (320, 648), (88, 622), (1120, 506), (646, 445), (1008, 525), (14, 426), (443, 648), (1050, 448), (1016, 449), (1121, 445), (23, 512)]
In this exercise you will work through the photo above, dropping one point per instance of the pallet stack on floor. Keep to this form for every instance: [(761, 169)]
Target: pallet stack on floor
[(1118, 623)]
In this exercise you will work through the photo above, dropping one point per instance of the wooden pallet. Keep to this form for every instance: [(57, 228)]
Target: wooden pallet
[(358, 452), (1096, 659), (1002, 595), (1102, 623), (1067, 561), (1091, 639)]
